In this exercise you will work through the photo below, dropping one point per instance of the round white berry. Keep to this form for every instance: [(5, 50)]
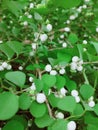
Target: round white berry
[(1, 68), (25, 23), (4, 64), (77, 98), (9, 67), (40, 98), (33, 87), (34, 46), (84, 42), (79, 68), (91, 104), (75, 58), (84, 6), (31, 5), (87, 0), (31, 79), (49, 27), (43, 37), (97, 29), (73, 66), (64, 45), (20, 68), (71, 125), (67, 29), (79, 10), (68, 21), (84, 49), (62, 71), (29, 16), (53, 72), (62, 36), (74, 93), (1, 41), (72, 17), (91, 98), (48, 68), (63, 91), (59, 115)]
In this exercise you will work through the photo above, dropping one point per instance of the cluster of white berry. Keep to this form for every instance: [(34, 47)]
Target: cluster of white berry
[(75, 94), (71, 125), (61, 93), (59, 115), (48, 68), (40, 98), (91, 102), (5, 65), (76, 64)]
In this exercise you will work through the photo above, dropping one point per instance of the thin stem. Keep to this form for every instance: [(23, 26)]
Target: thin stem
[(85, 77)]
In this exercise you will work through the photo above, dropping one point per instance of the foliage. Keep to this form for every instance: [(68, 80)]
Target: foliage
[(48, 64)]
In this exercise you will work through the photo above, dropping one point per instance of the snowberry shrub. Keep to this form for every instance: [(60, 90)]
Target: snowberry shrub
[(49, 64)]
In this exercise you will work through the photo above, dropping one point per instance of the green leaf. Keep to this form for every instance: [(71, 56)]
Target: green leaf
[(73, 38), (24, 101), (92, 127), (60, 82), (39, 85), (37, 16), (86, 91), (16, 77), (53, 100), (8, 105), (13, 125), (44, 121), (78, 110), (64, 3), (49, 80), (68, 103), (38, 110), (59, 124), (15, 46), (70, 84), (95, 44), (96, 109), (7, 50)]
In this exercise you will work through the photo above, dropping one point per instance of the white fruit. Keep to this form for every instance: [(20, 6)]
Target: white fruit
[(33, 87), (31, 79), (9, 67), (62, 71), (20, 68), (43, 37), (97, 29), (72, 17), (29, 16), (48, 68), (40, 98), (34, 46), (62, 36), (60, 115), (73, 66), (71, 125), (84, 42), (68, 21), (25, 23), (74, 93), (79, 68), (53, 72), (64, 45), (75, 58), (1, 68), (91, 104), (77, 98), (63, 91), (67, 29), (31, 5), (4, 64), (1, 41), (49, 27)]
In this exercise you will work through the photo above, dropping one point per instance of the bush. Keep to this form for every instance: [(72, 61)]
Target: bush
[(49, 64)]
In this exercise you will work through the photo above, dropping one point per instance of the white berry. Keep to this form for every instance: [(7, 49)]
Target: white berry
[(60, 115), (34, 46), (91, 104), (77, 98), (1, 41), (64, 45), (62, 71), (40, 98), (48, 68), (84, 42), (72, 17), (31, 79), (33, 87), (53, 72), (9, 67), (31, 5), (75, 58), (1, 68), (4, 64), (71, 125), (97, 29), (20, 68), (63, 91), (25, 23), (80, 68), (74, 93), (73, 66), (43, 37), (67, 29), (49, 27)]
